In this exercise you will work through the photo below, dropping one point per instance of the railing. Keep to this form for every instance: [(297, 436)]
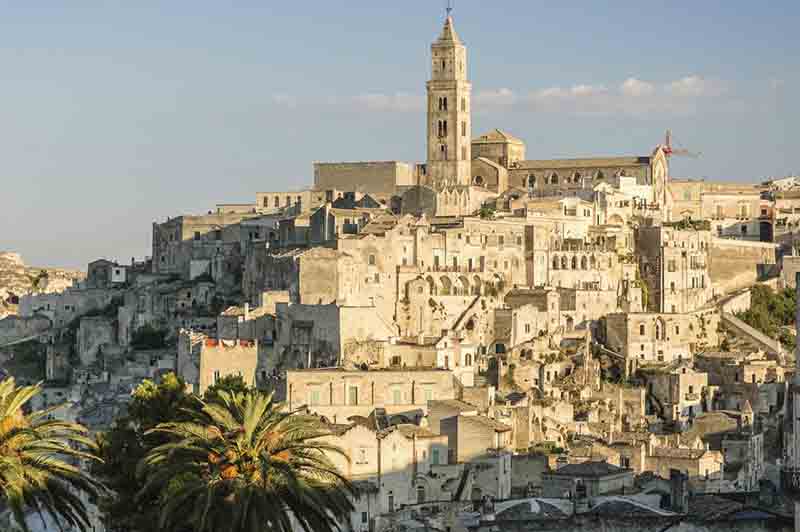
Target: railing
[(790, 482)]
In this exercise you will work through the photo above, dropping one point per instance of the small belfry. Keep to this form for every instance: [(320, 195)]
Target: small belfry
[(449, 108)]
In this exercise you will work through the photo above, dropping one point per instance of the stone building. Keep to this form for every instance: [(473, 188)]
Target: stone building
[(673, 263), (471, 436), (598, 478), (337, 394), (203, 361), (647, 338), (679, 391)]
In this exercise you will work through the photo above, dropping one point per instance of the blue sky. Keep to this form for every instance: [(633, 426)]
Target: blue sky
[(117, 114)]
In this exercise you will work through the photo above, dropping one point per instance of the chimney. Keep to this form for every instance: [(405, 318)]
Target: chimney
[(679, 494)]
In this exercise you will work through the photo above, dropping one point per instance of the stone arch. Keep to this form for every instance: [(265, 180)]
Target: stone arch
[(576, 177), (584, 263), (616, 219), (431, 285), (563, 262), (463, 285), (447, 286), (661, 329), (555, 262), (574, 262), (477, 285), (554, 178)]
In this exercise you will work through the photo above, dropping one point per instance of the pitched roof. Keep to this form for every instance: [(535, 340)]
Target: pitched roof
[(497, 135), (595, 162), (486, 422), (448, 34), (589, 469)]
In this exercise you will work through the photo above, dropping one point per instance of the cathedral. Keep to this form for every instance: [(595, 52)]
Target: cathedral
[(462, 173)]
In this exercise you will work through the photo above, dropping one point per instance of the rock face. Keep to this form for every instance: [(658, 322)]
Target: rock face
[(17, 279)]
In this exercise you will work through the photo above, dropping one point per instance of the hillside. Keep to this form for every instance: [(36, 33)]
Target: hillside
[(17, 279)]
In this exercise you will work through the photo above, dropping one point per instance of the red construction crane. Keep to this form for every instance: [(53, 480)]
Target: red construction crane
[(669, 150)]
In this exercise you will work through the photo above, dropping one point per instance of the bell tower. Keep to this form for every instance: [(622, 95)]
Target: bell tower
[(449, 108)]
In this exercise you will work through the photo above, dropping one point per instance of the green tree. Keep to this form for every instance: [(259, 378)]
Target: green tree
[(244, 464), (127, 442), (229, 383), (36, 460)]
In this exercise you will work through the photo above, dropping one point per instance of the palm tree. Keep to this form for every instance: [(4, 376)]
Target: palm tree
[(37, 460), (242, 463)]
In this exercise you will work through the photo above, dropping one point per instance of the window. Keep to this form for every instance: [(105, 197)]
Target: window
[(313, 398), (352, 395), (641, 329), (463, 128), (216, 376), (397, 397), (435, 457), (197, 235), (501, 240), (463, 153), (428, 393), (391, 502), (463, 104), (671, 266), (420, 494), (677, 329), (364, 517), (519, 240)]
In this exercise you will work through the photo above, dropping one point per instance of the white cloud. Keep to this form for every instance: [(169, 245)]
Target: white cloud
[(695, 86), (495, 97), (398, 102), (636, 88)]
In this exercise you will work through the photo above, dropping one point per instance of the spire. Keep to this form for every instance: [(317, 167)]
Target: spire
[(747, 409), (449, 34)]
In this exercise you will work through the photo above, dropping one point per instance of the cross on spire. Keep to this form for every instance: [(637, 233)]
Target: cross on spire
[(449, 8)]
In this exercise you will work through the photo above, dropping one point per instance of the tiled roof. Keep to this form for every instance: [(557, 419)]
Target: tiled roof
[(487, 422), (674, 452), (589, 469), (596, 162)]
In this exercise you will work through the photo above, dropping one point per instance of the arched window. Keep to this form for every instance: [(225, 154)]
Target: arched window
[(641, 329), (563, 262), (420, 494), (593, 262), (444, 127), (576, 178), (478, 181), (574, 263), (468, 359), (584, 263), (554, 179), (444, 100), (531, 181), (555, 262), (600, 175)]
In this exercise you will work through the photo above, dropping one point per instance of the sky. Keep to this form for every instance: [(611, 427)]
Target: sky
[(116, 114)]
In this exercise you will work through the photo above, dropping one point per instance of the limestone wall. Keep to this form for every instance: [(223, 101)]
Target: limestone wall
[(378, 177), (735, 264)]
